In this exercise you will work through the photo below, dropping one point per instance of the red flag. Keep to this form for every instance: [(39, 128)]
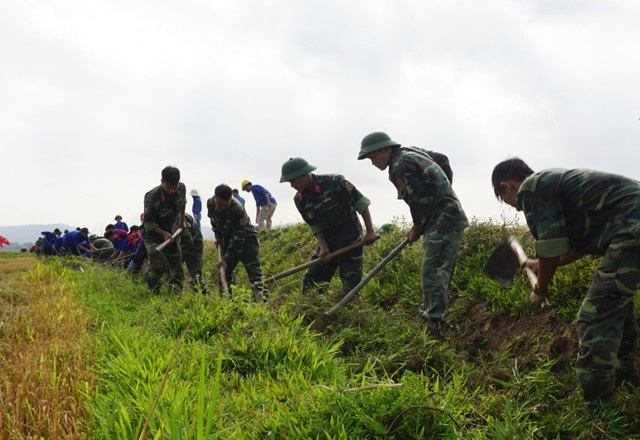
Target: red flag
[(3, 241)]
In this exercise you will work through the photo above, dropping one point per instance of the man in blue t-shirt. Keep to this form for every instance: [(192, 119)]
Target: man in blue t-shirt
[(75, 242), (48, 244), (236, 195), (197, 206), (265, 204), (120, 224)]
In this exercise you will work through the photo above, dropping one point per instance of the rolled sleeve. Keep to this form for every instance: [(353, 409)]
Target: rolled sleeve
[(149, 225), (362, 205), (552, 248)]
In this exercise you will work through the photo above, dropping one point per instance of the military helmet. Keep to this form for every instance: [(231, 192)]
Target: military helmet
[(375, 141), (295, 167)]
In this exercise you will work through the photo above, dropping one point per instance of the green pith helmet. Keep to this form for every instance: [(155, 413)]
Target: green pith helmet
[(375, 141), (295, 167)]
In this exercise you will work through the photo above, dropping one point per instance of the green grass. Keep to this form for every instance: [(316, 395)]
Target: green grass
[(282, 370)]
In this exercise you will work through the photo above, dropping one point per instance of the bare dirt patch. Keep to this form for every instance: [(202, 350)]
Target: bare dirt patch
[(530, 339)]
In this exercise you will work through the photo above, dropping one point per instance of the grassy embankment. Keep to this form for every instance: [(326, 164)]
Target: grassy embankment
[(99, 345)]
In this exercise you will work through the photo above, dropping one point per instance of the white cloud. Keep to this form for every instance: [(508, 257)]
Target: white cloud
[(99, 96)]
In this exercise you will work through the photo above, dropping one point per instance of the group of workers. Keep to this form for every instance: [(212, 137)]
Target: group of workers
[(570, 213), (265, 204), (115, 243)]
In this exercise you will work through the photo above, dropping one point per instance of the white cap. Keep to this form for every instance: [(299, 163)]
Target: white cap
[(194, 192)]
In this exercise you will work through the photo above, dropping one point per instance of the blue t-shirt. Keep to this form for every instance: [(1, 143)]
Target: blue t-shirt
[(85, 244), (122, 225), (117, 243), (197, 205), (49, 239), (74, 238), (129, 246), (239, 199), (258, 194)]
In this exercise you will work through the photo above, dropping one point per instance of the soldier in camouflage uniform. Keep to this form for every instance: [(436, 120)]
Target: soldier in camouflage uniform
[(104, 246), (425, 185), (572, 213), (192, 246), (330, 204), (164, 209), (236, 235)]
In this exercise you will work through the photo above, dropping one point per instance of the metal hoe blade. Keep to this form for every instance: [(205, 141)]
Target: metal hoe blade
[(159, 262), (502, 265)]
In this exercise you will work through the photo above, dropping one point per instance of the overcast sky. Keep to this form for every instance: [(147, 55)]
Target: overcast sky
[(97, 96)]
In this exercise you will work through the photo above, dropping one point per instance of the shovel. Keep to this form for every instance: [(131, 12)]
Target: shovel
[(158, 261), (315, 262), (505, 262), (343, 302), (223, 276)]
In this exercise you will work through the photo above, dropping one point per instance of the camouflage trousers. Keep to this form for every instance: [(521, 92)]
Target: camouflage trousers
[(250, 259), (349, 264), (438, 264), (193, 257), (173, 254), (607, 324)]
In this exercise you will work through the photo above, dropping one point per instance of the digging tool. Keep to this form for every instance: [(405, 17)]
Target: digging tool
[(104, 250), (223, 276), (119, 259), (315, 262), (506, 260), (157, 259), (502, 264), (366, 279), (54, 249)]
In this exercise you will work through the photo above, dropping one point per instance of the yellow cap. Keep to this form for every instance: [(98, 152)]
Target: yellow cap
[(245, 183)]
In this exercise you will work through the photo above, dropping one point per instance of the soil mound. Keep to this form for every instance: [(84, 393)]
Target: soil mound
[(529, 338)]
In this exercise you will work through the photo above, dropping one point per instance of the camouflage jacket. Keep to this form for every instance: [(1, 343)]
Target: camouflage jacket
[(193, 239), (102, 243), (231, 226), (162, 209), (331, 206), (425, 187), (579, 210)]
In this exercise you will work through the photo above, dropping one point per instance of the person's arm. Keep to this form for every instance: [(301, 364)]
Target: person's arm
[(164, 234), (266, 197), (545, 268), (350, 194), (568, 259), (182, 190), (412, 234), (84, 249), (418, 188), (238, 233), (370, 235), (323, 245), (182, 223), (150, 213)]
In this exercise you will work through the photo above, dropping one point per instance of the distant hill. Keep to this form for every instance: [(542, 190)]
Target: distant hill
[(26, 235)]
